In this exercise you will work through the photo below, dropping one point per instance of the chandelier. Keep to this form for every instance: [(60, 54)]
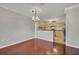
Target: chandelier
[(35, 19)]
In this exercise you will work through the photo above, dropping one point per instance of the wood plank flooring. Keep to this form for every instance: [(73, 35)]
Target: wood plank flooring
[(38, 47)]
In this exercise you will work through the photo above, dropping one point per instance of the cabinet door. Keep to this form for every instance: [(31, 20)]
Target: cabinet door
[(59, 37)]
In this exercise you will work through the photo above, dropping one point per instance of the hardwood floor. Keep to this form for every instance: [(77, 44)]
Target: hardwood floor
[(38, 47), (71, 51)]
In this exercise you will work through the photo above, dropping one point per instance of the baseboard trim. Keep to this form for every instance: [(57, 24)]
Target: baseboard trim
[(72, 46), (21, 42), (46, 39), (16, 42), (31, 39)]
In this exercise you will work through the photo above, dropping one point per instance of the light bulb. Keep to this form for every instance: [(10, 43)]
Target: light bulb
[(35, 18)]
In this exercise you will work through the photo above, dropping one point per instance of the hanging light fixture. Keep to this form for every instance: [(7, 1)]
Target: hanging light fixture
[(35, 19)]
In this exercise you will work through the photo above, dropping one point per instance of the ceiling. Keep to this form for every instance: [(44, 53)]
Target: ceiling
[(47, 9)]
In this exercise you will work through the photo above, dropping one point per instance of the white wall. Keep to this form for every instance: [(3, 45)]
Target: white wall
[(72, 26), (14, 27)]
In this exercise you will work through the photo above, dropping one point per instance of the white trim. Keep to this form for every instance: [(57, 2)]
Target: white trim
[(16, 42), (31, 39), (68, 8), (21, 42), (12, 10), (72, 46), (44, 39)]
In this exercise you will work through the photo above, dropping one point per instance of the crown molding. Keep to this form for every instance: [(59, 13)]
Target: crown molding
[(71, 7), (14, 11)]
